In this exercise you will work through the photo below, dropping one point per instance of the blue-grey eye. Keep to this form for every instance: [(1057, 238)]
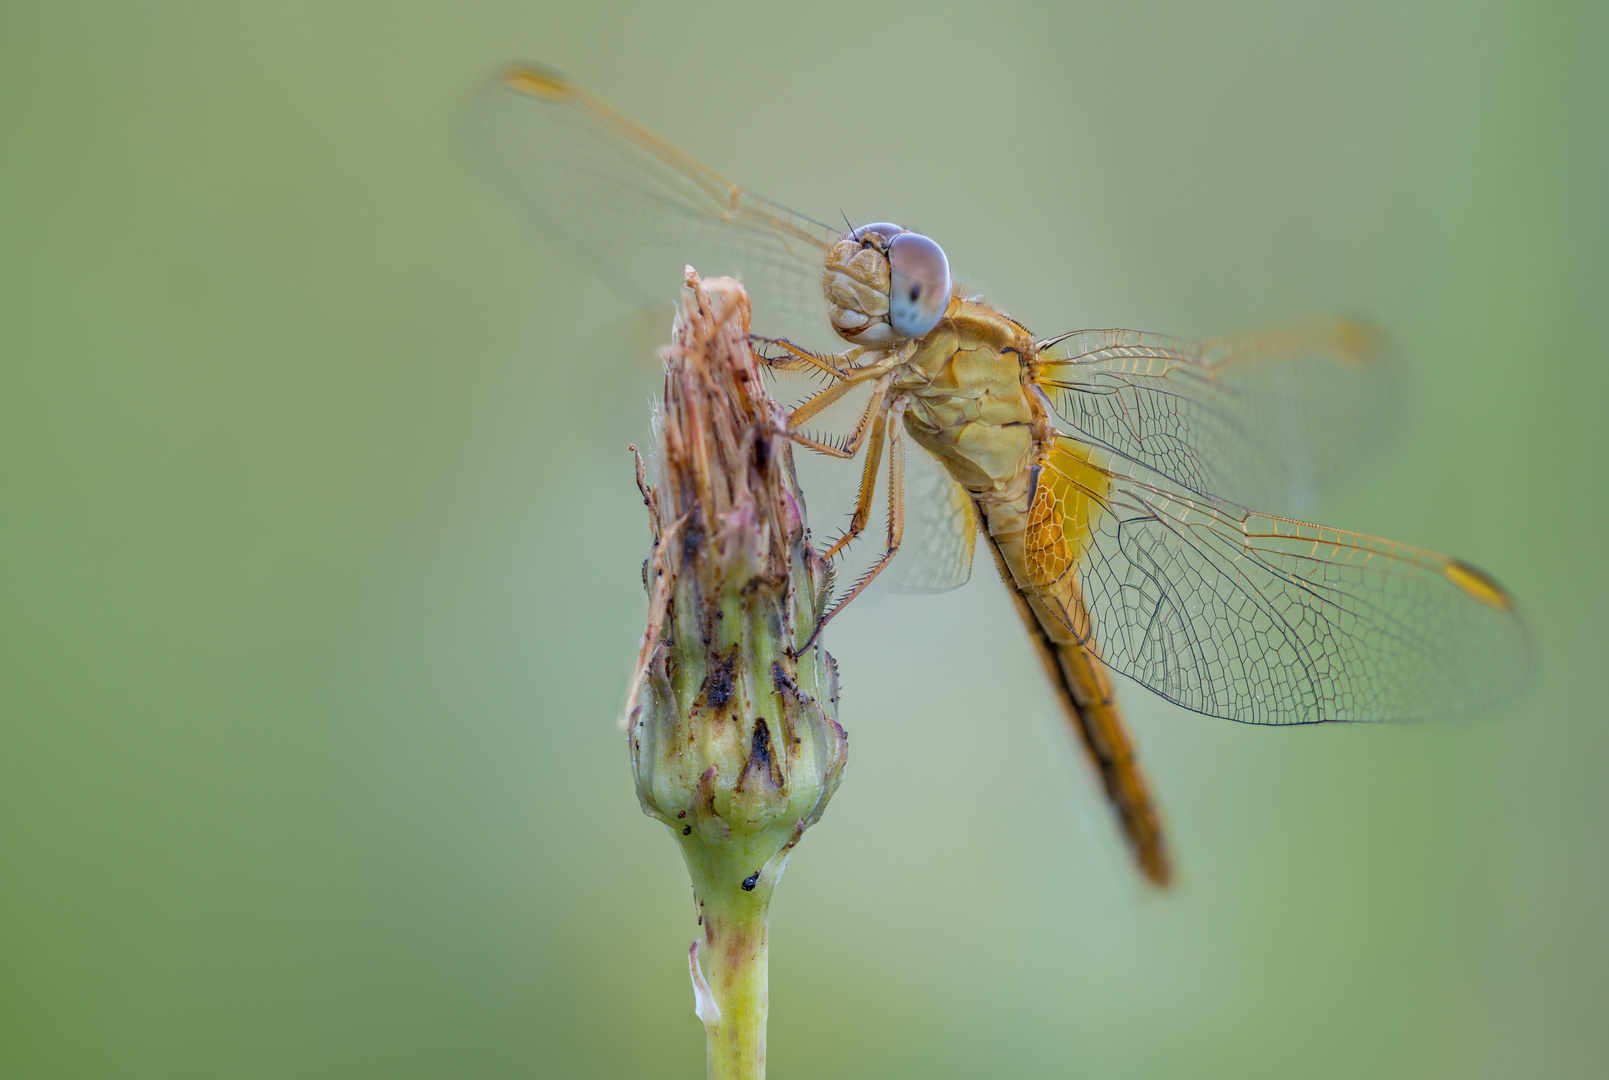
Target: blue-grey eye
[(919, 284)]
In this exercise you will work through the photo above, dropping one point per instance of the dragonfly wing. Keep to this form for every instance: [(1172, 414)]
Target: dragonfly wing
[(1264, 420), (941, 530), (635, 210), (1264, 619)]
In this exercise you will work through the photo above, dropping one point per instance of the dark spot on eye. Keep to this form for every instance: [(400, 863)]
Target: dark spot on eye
[(749, 882), (916, 292), (687, 830)]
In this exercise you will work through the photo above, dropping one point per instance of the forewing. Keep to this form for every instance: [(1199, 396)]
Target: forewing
[(1264, 619), (635, 210), (1265, 420)]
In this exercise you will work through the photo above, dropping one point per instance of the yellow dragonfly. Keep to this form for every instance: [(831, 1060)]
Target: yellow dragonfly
[(1105, 469)]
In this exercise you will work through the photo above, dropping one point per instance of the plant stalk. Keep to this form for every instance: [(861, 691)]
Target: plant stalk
[(733, 958)]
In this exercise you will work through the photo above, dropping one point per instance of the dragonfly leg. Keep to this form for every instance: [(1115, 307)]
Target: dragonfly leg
[(839, 365), (796, 359), (891, 423), (841, 452), (857, 435), (868, 476)]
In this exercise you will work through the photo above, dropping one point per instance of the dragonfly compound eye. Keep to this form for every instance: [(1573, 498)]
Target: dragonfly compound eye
[(919, 284)]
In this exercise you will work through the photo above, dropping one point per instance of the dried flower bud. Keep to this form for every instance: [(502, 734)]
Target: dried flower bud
[(734, 739)]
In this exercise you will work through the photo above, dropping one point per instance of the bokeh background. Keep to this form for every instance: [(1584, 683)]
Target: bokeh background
[(320, 549)]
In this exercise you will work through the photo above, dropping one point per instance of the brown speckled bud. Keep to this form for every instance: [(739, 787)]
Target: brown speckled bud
[(734, 740)]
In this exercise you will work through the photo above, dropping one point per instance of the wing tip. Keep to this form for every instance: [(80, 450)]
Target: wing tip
[(1478, 584), (1358, 341), (534, 80)]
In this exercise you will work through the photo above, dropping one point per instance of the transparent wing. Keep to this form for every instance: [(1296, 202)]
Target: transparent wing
[(941, 530), (635, 210), (1264, 420), (1264, 619)]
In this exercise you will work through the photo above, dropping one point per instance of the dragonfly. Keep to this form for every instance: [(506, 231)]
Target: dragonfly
[(1108, 471)]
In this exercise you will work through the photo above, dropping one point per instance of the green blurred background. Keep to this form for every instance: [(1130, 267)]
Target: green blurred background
[(321, 549)]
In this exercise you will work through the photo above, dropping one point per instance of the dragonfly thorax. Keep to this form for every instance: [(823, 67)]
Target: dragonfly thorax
[(885, 284)]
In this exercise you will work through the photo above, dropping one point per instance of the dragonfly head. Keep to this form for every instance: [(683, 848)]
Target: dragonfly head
[(885, 284)]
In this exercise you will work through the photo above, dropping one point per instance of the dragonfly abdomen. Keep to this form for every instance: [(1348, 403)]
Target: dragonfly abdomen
[(971, 407), (1084, 690)]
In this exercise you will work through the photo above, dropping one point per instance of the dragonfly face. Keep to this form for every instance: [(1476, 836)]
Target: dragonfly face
[(1109, 471), (885, 284)]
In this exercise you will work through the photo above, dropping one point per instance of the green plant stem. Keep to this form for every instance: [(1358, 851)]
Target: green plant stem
[(732, 952)]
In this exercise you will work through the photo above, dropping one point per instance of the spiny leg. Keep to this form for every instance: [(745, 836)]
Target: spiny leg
[(838, 365), (868, 479), (896, 506), (848, 378), (830, 396), (857, 435), (831, 363)]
